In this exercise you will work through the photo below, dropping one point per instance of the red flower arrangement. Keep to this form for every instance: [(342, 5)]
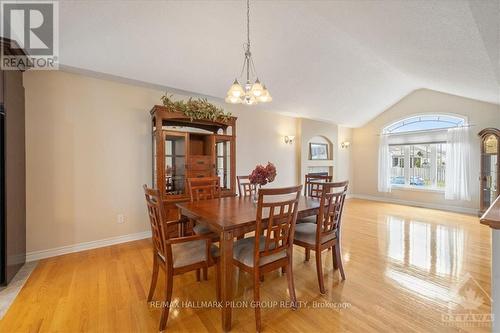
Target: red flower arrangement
[(262, 175)]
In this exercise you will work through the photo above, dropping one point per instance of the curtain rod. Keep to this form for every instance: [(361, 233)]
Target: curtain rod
[(425, 131)]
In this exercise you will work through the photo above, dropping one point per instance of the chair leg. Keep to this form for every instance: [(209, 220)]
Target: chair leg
[(217, 279), (319, 270), (256, 298), (308, 254), (236, 277), (205, 273), (334, 258), (168, 298), (198, 275), (338, 257), (154, 277), (291, 285)]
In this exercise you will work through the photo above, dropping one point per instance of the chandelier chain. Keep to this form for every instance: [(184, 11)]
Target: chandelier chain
[(248, 24), (244, 63)]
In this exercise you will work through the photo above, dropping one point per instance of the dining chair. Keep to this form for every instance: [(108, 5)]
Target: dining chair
[(176, 255), (313, 187), (275, 224), (203, 188), (313, 184), (325, 234), (245, 188)]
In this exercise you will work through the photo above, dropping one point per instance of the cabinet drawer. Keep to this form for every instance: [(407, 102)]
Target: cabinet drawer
[(200, 174), (200, 163)]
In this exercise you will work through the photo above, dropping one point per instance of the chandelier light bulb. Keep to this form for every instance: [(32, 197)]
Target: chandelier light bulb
[(257, 88), (266, 96), (235, 90), (233, 99)]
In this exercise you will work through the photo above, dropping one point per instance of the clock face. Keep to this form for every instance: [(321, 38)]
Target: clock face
[(491, 145)]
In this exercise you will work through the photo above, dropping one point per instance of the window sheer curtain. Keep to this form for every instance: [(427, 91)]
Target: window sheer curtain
[(457, 164), (384, 165)]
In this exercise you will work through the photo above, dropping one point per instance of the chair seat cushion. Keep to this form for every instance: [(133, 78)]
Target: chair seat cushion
[(201, 229), (243, 252), (192, 252), (308, 219), (306, 232)]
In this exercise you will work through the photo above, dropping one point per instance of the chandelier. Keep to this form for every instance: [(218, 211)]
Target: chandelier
[(250, 93)]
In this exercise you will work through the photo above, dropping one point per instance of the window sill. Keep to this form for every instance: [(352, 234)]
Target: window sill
[(418, 189)]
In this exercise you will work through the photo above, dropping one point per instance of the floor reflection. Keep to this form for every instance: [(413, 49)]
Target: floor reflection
[(420, 252), (427, 247), (423, 287)]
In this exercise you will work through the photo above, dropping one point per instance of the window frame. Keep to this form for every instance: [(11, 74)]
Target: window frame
[(409, 120), (414, 136), (408, 160)]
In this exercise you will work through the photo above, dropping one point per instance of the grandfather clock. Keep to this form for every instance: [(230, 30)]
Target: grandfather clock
[(489, 181)]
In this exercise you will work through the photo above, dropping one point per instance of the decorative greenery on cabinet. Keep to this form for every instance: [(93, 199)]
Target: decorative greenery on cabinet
[(196, 109)]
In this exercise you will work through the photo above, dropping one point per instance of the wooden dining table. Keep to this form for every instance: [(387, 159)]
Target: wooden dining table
[(232, 217)]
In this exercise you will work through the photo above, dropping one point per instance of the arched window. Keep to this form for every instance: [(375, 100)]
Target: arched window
[(424, 123), (416, 148)]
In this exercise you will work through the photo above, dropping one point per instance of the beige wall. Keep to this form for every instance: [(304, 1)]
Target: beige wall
[(343, 161), (331, 133), (365, 143), (89, 152), (310, 129)]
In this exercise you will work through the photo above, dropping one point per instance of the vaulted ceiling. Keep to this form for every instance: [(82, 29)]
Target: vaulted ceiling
[(340, 61)]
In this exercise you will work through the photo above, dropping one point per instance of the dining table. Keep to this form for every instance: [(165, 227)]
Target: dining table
[(231, 217)]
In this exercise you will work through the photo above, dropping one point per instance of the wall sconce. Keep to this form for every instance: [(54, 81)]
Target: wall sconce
[(289, 139), (345, 144)]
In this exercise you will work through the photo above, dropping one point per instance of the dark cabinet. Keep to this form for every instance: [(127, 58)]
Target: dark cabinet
[(12, 175)]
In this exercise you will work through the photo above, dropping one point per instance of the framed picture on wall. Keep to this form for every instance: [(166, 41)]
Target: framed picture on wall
[(318, 151)]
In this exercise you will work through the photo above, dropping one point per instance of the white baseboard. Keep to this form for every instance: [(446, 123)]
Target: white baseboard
[(455, 209), (37, 255)]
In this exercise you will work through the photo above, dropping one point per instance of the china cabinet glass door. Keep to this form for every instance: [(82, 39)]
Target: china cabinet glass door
[(175, 162), (223, 147)]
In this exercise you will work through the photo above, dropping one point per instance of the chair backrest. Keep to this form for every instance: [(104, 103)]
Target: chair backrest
[(330, 210), (203, 188), (156, 218), (313, 184), (278, 209), (245, 188)]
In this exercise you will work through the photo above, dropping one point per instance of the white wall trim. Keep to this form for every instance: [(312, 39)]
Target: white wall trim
[(455, 209), (37, 255)]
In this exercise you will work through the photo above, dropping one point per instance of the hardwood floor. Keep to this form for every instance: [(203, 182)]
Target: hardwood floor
[(402, 266)]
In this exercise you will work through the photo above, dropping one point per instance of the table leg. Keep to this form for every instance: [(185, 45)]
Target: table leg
[(226, 253)]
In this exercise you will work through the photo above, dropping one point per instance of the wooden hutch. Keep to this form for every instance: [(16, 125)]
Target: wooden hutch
[(490, 167), (185, 148)]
